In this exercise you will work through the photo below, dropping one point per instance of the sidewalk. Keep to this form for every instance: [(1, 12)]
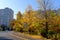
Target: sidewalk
[(26, 36)]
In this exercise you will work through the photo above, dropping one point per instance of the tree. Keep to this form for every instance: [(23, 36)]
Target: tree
[(19, 18), (12, 23), (19, 25), (19, 15), (27, 17), (30, 18), (16, 23), (45, 5)]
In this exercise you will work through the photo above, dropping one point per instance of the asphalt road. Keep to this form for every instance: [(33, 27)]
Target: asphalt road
[(5, 35), (8, 35)]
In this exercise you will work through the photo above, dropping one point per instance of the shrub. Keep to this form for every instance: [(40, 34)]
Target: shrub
[(51, 33), (3, 27), (0, 28), (43, 33)]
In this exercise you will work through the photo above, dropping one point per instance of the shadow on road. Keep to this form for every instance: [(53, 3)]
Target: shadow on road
[(4, 38)]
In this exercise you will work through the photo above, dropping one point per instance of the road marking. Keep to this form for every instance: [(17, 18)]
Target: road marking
[(18, 37)]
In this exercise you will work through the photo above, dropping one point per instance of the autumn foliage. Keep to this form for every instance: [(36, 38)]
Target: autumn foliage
[(34, 22)]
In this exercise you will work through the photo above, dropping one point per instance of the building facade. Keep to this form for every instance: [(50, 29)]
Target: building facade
[(6, 15)]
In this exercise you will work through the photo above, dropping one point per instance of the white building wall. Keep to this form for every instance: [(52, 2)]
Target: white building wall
[(6, 15)]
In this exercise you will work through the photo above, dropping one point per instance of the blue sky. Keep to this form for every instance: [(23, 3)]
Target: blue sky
[(21, 5)]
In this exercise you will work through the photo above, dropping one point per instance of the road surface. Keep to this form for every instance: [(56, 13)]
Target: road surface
[(5, 35), (8, 35)]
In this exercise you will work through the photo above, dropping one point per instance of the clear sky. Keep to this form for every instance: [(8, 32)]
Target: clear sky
[(21, 5)]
